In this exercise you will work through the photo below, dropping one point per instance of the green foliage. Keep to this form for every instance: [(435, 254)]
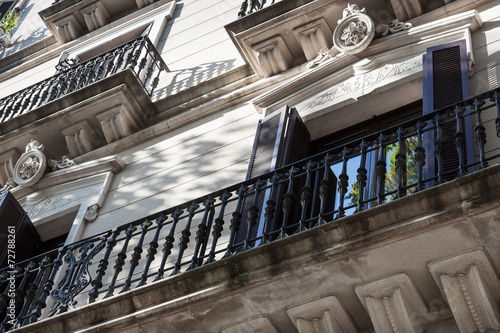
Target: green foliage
[(391, 180), (9, 22)]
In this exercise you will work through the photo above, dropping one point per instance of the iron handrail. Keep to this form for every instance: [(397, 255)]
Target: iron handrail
[(277, 204)]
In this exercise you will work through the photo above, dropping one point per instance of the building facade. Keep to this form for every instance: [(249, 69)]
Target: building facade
[(219, 166)]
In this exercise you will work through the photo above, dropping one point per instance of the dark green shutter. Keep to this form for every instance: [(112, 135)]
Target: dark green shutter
[(26, 237), (281, 139), (445, 82)]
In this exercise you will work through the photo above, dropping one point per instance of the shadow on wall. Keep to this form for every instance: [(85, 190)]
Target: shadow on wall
[(186, 78), (22, 41)]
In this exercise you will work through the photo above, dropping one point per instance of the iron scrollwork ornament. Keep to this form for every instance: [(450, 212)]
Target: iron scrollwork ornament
[(76, 278)]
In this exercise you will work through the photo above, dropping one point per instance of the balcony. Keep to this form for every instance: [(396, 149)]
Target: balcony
[(301, 209), (87, 95)]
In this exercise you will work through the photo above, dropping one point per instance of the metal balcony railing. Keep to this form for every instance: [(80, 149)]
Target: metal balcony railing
[(139, 55), (251, 6), (298, 197)]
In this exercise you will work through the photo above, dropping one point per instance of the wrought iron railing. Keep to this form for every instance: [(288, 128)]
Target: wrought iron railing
[(289, 200), (139, 55), (251, 6)]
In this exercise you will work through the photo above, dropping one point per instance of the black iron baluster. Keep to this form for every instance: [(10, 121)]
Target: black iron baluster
[(343, 181), (29, 295), (288, 201), (7, 296), (169, 243), (400, 163), (460, 139), (119, 59), (185, 234), (420, 155), (201, 234), (153, 245), (136, 256), (253, 213), (496, 98), (103, 266), (235, 221), (120, 260), (156, 80), (361, 176), (218, 226), (381, 169), (243, 8), (480, 133), (41, 302), (270, 209), (305, 197), (130, 49)]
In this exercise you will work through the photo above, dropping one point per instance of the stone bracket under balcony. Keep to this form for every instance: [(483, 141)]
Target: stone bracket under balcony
[(70, 19), (74, 122)]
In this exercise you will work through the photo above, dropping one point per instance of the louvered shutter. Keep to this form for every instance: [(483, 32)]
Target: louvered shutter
[(445, 82), (26, 237), (281, 139)]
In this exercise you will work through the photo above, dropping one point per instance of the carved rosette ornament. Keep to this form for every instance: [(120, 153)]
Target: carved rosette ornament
[(354, 31), (31, 165)]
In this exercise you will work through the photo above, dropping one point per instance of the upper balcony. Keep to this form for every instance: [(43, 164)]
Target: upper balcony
[(278, 221), (86, 103)]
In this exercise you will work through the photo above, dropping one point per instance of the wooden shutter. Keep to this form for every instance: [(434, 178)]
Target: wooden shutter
[(26, 237), (445, 82), (281, 139)]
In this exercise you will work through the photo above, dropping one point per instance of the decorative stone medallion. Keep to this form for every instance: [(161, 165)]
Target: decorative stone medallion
[(354, 31), (31, 165)]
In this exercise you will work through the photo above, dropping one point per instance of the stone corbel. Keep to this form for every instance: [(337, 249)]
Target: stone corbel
[(394, 305), (313, 37), (273, 55), (408, 9), (144, 3), (68, 29), (7, 162), (326, 315), (472, 288), (256, 325), (118, 123), (80, 138), (95, 15)]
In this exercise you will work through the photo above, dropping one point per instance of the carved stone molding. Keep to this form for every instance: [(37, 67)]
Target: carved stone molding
[(80, 138), (31, 165), (68, 28), (472, 288), (394, 305), (118, 123), (63, 163), (256, 325), (95, 15), (354, 32), (313, 37), (325, 315), (273, 56), (7, 162)]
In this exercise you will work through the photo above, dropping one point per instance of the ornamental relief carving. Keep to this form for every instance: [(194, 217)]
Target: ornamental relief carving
[(32, 165), (53, 204), (362, 82), (354, 33)]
